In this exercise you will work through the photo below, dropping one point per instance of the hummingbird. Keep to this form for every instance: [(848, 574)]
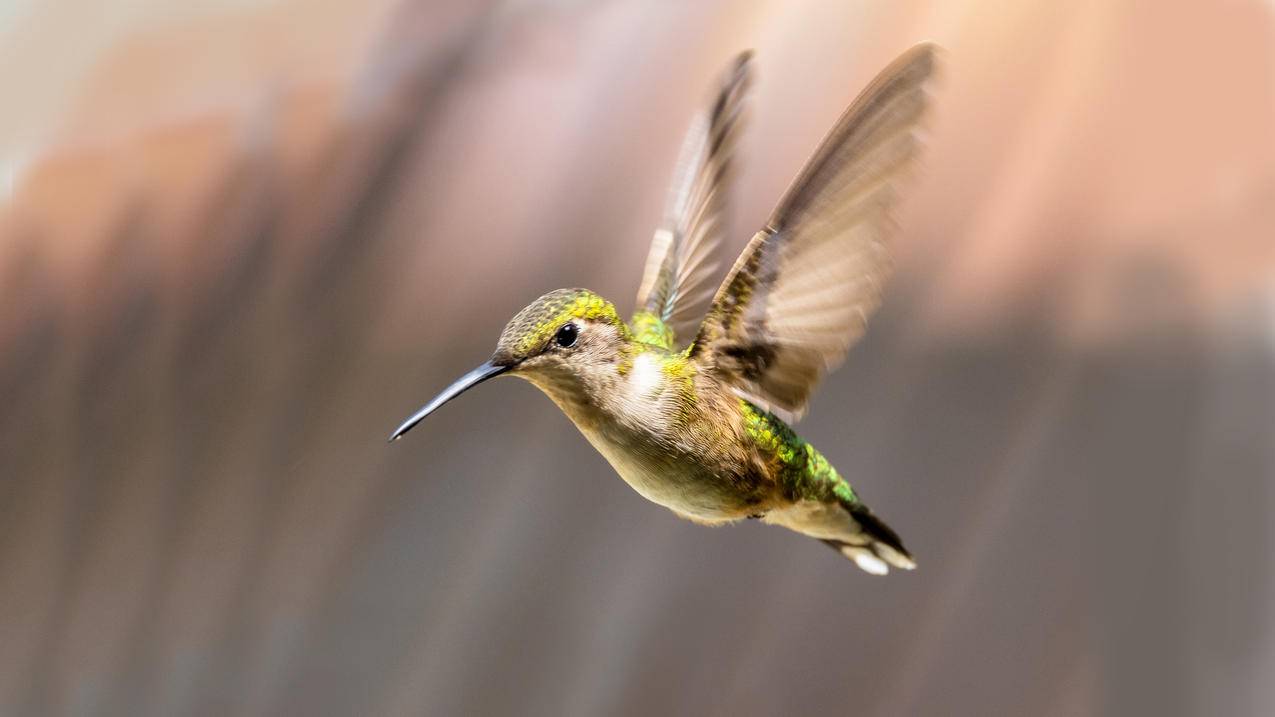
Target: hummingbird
[(692, 400)]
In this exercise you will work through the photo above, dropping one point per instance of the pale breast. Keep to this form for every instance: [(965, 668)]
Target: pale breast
[(661, 440), (681, 484)]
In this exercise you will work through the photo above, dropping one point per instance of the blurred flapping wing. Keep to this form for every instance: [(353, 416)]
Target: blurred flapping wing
[(800, 294), (677, 283)]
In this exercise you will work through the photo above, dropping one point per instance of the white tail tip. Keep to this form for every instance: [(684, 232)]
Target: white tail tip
[(866, 560)]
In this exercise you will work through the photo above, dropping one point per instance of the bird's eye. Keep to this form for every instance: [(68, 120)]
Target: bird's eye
[(566, 336)]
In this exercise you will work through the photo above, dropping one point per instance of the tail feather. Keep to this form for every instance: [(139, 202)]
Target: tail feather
[(848, 527), (875, 547)]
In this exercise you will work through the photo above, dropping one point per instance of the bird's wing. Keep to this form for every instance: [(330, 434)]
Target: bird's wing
[(801, 293), (677, 282)]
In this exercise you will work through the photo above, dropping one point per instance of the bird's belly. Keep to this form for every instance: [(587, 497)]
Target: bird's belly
[(681, 484)]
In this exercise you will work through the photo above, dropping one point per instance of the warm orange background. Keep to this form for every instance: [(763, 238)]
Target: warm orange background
[(242, 240)]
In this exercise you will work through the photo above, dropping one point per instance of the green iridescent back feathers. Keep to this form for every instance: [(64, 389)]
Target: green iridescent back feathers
[(800, 470)]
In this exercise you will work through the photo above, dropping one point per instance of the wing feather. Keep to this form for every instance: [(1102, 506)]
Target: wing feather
[(802, 291), (677, 281)]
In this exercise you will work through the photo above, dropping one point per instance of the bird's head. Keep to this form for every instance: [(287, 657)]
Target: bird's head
[(559, 342)]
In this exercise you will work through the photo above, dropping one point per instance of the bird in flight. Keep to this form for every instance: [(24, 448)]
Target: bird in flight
[(693, 410)]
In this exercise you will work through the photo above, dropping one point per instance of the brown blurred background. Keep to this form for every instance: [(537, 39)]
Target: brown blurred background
[(241, 240)]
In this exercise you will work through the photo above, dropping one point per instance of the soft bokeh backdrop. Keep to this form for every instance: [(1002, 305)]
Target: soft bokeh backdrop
[(240, 241)]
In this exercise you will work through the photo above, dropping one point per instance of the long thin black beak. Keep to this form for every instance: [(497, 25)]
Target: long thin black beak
[(463, 384)]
